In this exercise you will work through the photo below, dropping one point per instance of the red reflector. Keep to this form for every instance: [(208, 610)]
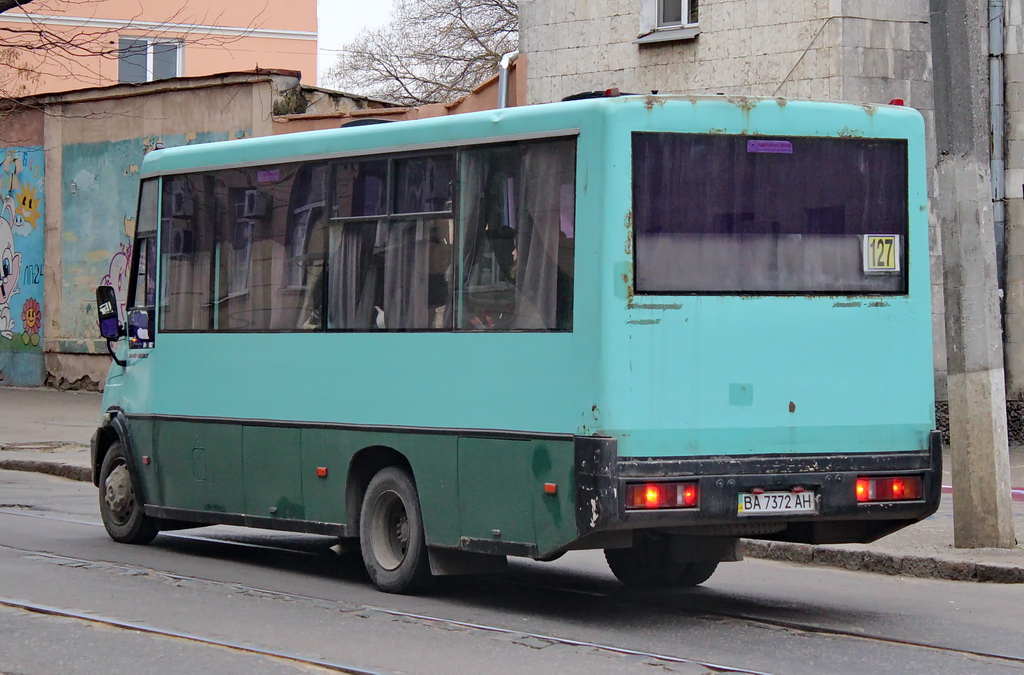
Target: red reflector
[(662, 496), (321, 472), (889, 489), (550, 488), (896, 101)]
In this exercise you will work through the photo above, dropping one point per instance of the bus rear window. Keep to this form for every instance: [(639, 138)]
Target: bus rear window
[(733, 214)]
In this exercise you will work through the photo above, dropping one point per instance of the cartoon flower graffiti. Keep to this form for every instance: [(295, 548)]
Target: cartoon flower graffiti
[(32, 318)]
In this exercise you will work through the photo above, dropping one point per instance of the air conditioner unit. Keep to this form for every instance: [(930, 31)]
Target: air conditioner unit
[(180, 242), (181, 205), (255, 205)]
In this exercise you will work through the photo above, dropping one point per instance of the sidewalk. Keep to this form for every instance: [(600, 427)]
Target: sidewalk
[(48, 431)]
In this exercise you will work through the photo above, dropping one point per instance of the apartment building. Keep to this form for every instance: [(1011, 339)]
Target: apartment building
[(93, 43)]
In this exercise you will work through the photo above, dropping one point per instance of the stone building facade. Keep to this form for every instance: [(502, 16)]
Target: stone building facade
[(854, 50)]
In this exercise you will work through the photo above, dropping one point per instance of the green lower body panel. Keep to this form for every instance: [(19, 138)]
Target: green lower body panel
[(500, 493)]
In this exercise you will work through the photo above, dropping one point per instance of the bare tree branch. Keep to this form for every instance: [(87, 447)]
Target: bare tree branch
[(432, 50)]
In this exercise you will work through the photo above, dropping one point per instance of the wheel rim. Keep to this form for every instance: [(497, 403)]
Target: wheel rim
[(118, 494), (389, 530)]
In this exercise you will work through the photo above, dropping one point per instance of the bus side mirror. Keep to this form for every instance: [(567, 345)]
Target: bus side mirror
[(106, 308)]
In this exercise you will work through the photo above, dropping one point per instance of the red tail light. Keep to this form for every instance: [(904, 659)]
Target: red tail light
[(889, 489), (662, 496)]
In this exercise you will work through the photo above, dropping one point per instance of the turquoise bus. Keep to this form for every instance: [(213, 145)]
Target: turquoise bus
[(650, 325)]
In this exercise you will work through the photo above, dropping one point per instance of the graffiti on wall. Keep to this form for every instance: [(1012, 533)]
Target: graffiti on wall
[(117, 277), (98, 223), (21, 248)]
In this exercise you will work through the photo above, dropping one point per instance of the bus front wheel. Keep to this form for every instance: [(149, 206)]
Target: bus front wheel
[(121, 508), (650, 563), (391, 533)]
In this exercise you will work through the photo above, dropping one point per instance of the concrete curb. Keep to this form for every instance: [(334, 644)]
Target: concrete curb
[(80, 473), (884, 563)]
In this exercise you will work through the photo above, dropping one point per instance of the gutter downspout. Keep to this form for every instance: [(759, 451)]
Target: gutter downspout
[(506, 63), (997, 108)]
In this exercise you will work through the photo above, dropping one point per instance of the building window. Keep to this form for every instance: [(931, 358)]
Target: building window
[(672, 13), (145, 60), (665, 20)]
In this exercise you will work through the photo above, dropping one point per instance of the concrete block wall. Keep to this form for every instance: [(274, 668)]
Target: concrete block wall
[(1013, 325), (754, 47), (855, 50)]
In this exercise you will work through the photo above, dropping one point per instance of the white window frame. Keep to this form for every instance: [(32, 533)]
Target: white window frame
[(654, 29), (152, 42)]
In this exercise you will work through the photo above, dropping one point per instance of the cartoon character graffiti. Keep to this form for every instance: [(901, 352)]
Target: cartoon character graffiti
[(10, 266), (117, 276)]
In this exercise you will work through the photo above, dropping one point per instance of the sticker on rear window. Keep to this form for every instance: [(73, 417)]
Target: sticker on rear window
[(771, 147), (881, 253)]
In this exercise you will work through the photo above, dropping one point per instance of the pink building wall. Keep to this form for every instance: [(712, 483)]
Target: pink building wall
[(218, 36)]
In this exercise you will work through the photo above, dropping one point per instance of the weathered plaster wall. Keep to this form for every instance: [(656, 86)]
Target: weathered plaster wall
[(94, 150)]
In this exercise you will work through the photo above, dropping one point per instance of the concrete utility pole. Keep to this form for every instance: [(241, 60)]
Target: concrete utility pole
[(982, 515)]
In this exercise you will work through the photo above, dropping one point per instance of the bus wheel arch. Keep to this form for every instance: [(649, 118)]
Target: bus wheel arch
[(106, 437), (366, 464)]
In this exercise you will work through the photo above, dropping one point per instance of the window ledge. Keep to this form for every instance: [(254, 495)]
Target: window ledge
[(671, 34)]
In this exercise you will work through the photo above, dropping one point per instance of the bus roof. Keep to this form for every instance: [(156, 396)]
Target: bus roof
[(712, 114)]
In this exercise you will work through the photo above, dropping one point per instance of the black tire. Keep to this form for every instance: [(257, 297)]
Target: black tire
[(391, 533), (697, 572), (649, 563), (121, 505)]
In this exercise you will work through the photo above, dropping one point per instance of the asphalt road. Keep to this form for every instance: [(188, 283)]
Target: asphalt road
[(228, 600)]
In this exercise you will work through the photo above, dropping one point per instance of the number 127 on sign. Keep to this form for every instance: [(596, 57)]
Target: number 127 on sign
[(881, 253)]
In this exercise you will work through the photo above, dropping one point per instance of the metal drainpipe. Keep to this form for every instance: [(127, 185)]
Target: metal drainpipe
[(997, 108), (503, 66)]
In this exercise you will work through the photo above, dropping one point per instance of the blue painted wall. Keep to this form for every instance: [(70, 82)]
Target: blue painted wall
[(100, 194)]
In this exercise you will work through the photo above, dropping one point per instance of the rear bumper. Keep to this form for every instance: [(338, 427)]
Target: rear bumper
[(603, 477)]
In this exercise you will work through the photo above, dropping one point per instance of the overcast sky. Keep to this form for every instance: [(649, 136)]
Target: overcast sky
[(341, 20)]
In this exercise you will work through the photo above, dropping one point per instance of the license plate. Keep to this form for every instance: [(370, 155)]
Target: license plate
[(751, 504)]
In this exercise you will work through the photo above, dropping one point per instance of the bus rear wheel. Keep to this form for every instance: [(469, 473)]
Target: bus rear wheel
[(391, 533), (121, 509), (650, 563)]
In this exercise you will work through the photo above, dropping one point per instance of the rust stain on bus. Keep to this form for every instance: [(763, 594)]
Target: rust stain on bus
[(847, 132), (651, 101), (629, 232), (655, 306), (743, 103)]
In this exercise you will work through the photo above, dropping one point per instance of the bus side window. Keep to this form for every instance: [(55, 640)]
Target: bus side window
[(391, 258), (517, 226)]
